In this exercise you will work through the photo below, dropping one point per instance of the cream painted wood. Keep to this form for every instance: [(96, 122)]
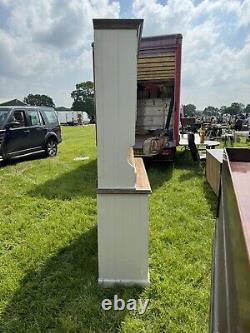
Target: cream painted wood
[(123, 239), (123, 187), (115, 83)]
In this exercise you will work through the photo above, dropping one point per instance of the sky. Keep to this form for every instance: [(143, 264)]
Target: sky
[(45, 45)]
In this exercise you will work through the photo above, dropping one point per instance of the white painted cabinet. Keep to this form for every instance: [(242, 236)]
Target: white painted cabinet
[(123, 187)]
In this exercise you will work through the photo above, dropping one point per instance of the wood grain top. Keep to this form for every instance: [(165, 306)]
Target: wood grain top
[(142, 182), (142, 185)]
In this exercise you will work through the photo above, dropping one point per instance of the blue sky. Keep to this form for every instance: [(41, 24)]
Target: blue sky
[(45, 45)]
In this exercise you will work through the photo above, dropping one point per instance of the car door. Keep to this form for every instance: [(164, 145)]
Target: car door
[(17, 134), (37, 130)]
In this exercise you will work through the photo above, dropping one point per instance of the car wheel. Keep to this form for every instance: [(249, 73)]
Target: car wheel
[(51, 148)]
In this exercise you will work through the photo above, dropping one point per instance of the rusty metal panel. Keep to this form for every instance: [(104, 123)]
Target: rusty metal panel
[(230, 296)]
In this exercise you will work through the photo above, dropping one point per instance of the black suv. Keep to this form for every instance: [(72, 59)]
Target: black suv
[(27, 130)]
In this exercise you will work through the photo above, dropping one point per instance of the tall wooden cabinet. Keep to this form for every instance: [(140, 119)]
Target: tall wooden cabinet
[(123, 186)]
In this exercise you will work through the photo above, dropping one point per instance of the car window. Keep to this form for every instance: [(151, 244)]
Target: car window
[(34, 118), (41, 118), (19, 118), (3, 115), (51, 116)]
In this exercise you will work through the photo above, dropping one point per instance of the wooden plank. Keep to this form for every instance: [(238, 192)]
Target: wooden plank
[(154, 77), (168, 75), (142, 182), (148, 66), (153, 68), (156, 60), (157, 65), (157, 73), (167, 55), (150, 71)]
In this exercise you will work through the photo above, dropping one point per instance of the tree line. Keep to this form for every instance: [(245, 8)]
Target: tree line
[(234, 109), (83, 100)]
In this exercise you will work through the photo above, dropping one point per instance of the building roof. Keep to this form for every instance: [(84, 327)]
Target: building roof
[(14, 102)]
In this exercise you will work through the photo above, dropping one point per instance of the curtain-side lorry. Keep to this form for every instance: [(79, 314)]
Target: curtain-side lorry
[(158, 97), (73, 117)]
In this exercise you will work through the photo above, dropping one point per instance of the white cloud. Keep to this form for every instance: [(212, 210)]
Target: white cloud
[(49, 41), (60, 23), (244, 13), (212, 6), (20, 59), (160, 18), (45, 45), (212, 72)]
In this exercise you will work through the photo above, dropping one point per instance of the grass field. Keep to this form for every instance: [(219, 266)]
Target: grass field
[(48, 247)]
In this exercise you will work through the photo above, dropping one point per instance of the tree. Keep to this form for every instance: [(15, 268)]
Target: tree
[(210, 111), (83, 98), (39, 100), (247, 108), (223, 109), (189, 110), (235, 108)]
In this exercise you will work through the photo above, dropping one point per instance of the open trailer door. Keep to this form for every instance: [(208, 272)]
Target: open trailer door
[(158, 96)]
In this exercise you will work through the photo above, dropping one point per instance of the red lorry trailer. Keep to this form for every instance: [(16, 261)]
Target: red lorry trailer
[(158, 97)]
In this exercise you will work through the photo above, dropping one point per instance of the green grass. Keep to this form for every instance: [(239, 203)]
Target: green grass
[(48, 246)]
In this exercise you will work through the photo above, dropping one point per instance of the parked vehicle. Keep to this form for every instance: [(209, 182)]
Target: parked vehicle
[(73, 118), (158, 97), (28, 130)]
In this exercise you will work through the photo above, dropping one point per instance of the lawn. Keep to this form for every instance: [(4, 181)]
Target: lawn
[(48, 247)]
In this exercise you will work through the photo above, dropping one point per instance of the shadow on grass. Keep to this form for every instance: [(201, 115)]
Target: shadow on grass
[(191, 168), (210, 196), (159, 173), (17, 160), (194, 169), (78, 182), (63, 296)]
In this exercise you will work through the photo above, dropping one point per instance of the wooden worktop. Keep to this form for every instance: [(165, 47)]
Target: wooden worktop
[(142, 185), (142, 182)]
